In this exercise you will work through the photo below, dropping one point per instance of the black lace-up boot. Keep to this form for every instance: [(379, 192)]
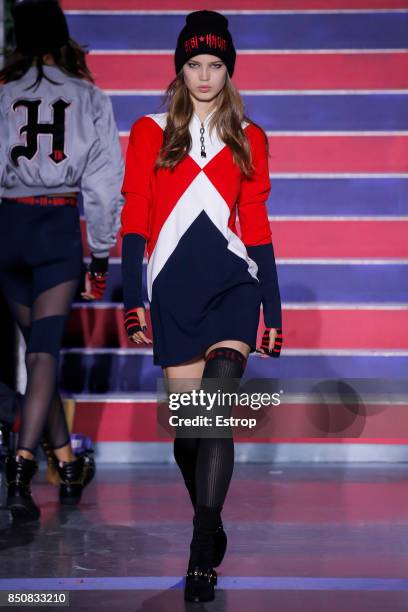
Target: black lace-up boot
[(19, 473), (75, 475)]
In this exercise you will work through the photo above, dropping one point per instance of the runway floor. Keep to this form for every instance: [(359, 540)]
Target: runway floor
[(301, 537)]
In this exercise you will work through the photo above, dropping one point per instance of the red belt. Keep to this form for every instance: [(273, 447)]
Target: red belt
[(48, 200)]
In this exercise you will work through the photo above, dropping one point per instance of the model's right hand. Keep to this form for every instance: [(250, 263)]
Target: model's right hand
[(135, 325)]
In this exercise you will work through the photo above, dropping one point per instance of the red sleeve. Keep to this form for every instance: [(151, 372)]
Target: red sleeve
[(136, 188), (251, 205)]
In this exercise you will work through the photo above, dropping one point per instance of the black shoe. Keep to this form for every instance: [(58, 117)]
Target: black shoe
[(75, 475), (201, 577), (200, 584), (19, 472), (220, 546)]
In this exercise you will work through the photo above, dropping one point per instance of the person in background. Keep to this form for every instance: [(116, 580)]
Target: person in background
[(58, 137)]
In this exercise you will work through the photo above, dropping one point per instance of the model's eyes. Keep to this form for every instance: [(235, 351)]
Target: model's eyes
[(194, 65)]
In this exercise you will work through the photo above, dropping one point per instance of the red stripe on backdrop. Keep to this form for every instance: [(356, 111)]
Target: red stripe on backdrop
[(378, 239), (328, 239), (122, 5), (338, 154), (304, 329), (263, 71), (142, 422)]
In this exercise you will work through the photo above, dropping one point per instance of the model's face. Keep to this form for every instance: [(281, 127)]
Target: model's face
[(204, 76)]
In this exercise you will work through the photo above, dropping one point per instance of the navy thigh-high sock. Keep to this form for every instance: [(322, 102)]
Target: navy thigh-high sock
[(207, 463)]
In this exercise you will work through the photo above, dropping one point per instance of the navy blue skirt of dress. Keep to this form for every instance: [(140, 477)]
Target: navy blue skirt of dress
[(204, 294)]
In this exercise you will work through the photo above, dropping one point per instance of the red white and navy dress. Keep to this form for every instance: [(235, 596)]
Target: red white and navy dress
[(203, 280)]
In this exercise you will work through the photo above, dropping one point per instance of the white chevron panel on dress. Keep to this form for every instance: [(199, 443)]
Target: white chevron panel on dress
[(219, 212), (201, 195), (177, 223)]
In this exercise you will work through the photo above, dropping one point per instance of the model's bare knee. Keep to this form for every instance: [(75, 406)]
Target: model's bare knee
[(185, 376), (33, 360), (240, 346)]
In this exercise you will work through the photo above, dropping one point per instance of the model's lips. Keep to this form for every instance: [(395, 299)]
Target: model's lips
[(204, 88)]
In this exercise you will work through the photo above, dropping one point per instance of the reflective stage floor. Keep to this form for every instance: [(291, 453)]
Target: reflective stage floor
[(311, 537)]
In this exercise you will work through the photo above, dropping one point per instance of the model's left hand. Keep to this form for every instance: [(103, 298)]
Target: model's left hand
[(95, 278), (271, 342), (95, 285)]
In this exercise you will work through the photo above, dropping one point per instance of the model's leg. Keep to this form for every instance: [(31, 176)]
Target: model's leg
[(49, 313), (215, 457), (218, 454), (42, 325), (215, 460), (56, 431), (225, 362), (186, 449), (185, 454)]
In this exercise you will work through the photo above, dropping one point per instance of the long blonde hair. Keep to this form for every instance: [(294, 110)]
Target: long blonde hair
[(226, 119)]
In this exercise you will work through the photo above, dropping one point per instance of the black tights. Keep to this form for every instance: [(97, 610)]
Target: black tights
[(42, 327), (207, 464)]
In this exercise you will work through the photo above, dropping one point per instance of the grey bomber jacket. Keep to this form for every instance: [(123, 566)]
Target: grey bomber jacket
[(62, 137)]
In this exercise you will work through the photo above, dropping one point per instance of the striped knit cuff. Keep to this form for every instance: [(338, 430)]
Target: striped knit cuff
[(132, 322), (98, 283), (275, 352)]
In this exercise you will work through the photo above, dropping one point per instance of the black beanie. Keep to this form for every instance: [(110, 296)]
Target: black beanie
[(205, 32), (40, 26)]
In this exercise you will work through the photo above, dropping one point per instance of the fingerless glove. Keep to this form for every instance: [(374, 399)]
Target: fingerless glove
[(132, 323), (97, 275), (275, 352)]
